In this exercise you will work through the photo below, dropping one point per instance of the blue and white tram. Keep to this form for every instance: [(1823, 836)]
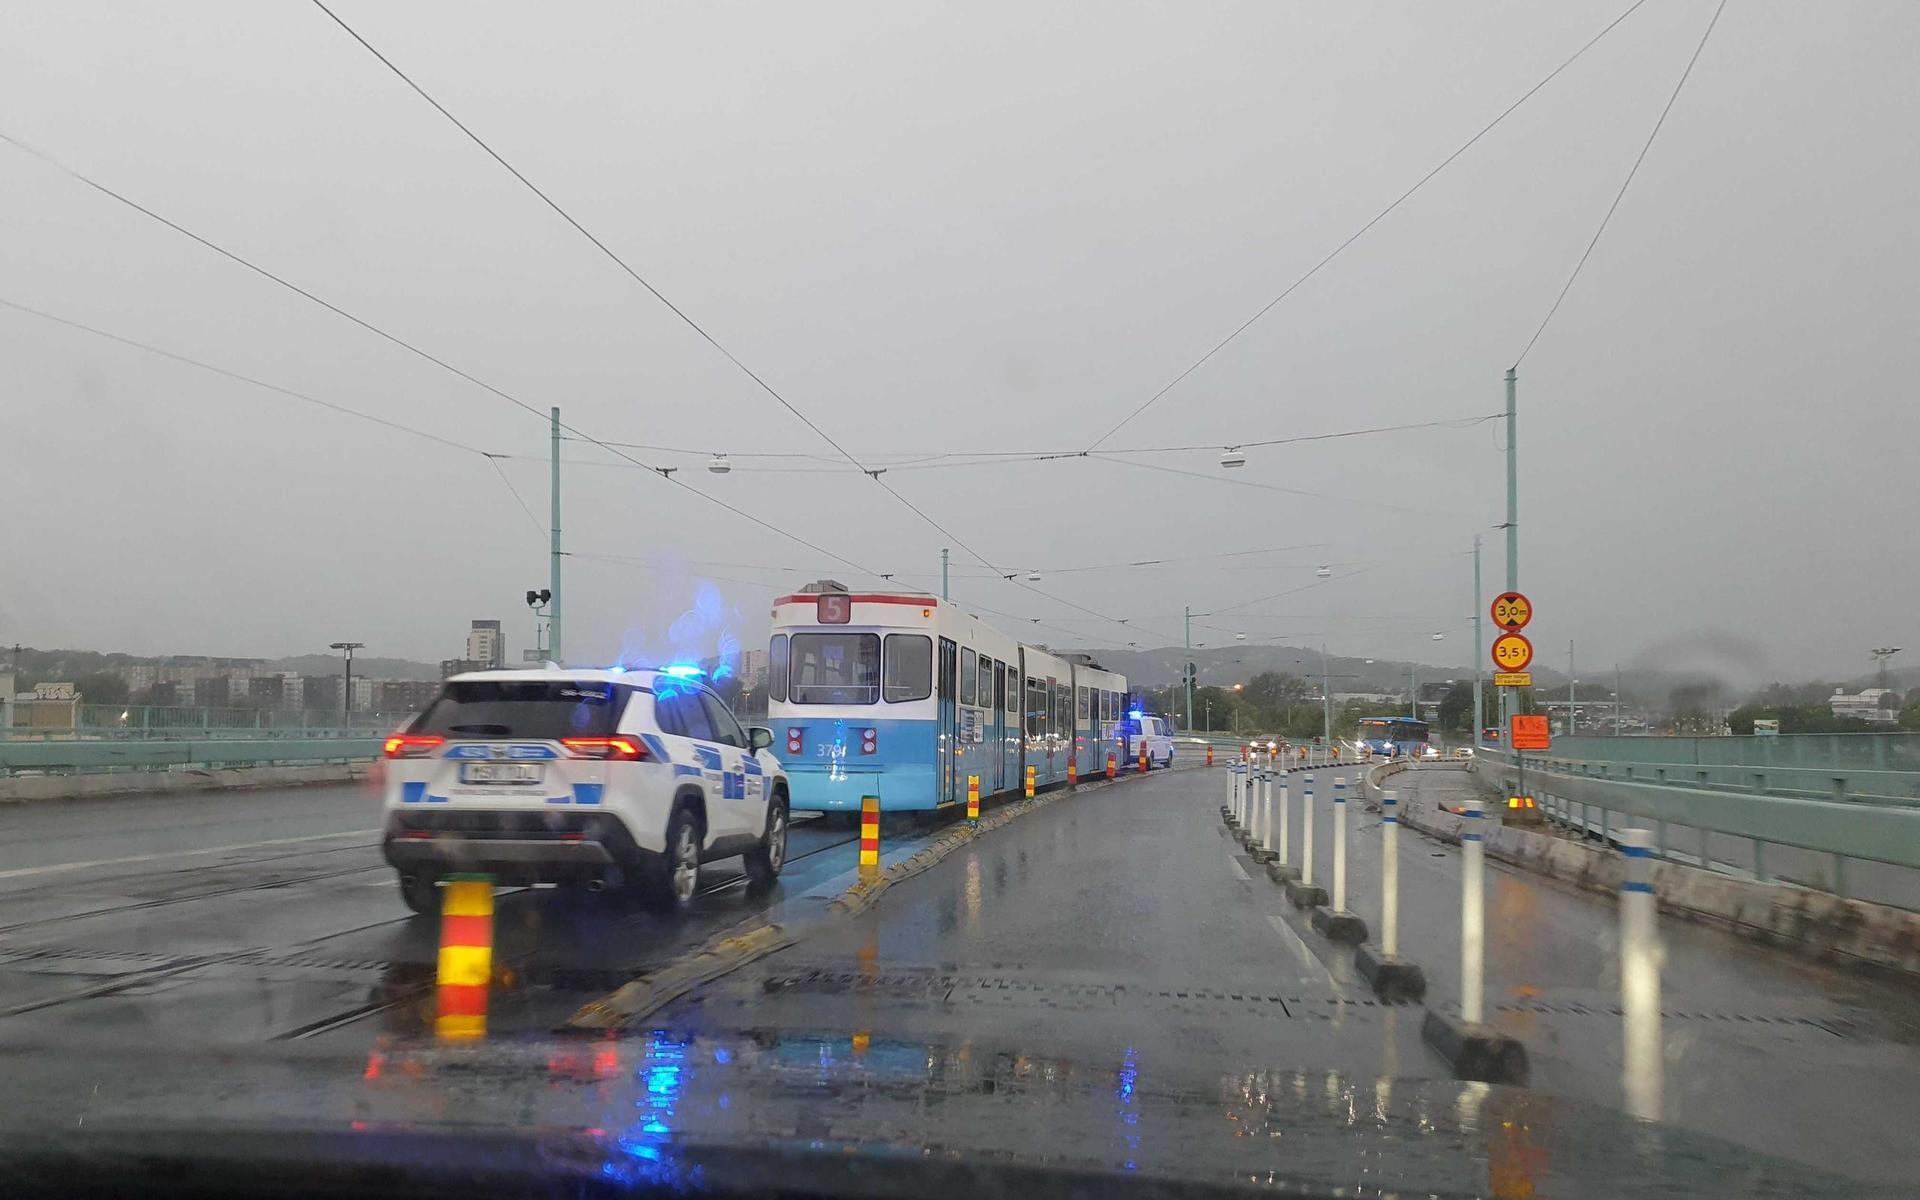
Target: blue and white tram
[(903, 697)]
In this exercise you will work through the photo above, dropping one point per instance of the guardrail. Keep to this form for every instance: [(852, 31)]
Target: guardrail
[(1857, 826), (86, 756), (1894, 755)]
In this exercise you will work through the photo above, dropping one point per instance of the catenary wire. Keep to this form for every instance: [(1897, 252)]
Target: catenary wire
[(1624, 184), (1356, 235)]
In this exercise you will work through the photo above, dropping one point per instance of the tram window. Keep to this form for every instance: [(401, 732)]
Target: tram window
[(909, 673), (1036, 708), (999, 684), (967, 669), (986, 681), (1080, 705), (777, 667), (840, 668)]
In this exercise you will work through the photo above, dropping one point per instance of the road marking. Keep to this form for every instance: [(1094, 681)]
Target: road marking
[(1302, 951), (20, 872), (1239, 870)]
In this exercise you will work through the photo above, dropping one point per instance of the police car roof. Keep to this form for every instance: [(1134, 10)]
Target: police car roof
[(639, 676)]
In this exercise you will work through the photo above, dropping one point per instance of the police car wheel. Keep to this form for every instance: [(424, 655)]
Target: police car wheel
[(420, 892), (673, 876), (764, 861)]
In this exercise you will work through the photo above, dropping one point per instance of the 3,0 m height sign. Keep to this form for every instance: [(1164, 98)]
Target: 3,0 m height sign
[(1512, 611)]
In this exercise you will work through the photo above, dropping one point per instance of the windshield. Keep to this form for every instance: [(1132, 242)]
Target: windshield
[(834, 668), (603, 595), (556, 709)]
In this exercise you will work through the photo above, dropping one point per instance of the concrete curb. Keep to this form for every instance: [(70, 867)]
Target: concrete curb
[(1475, 1051), (1815, 925), (1344, 927), (1393, 979), (27, 789), (754, 939)]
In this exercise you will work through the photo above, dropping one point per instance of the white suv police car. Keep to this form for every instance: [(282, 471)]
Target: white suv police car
[(600, 779)]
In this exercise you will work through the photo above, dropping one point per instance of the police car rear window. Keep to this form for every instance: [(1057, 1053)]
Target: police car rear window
[(524, 709)]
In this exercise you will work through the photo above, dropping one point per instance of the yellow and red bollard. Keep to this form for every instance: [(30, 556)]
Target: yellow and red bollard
[(869, 836), (1113, 767), (466, 957), (1073, 772), (1209, 754), (973, 797), (1143, 756), (1029, 781)]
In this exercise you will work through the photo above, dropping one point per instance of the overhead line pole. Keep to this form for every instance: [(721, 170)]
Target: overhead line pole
[(553, 566), (1479, 701), (1509, 697), (1187, 674)]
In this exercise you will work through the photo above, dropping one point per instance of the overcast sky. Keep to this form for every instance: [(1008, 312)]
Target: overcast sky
[(966, 227)]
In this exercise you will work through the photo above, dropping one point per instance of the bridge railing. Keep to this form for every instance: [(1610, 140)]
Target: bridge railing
[(1824, 819), (88, 755)]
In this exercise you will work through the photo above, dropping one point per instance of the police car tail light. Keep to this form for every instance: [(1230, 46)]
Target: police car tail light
[(612, 749), (869, 741), (412, 745), (796, 739)]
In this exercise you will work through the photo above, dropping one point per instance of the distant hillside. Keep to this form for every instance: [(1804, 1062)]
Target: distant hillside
[(1225, 666), (365, 668)]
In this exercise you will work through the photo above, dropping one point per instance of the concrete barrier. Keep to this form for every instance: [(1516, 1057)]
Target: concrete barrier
[(20, 789), (1816, 925)]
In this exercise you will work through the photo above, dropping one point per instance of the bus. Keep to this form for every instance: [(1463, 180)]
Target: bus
[(1394, 735)]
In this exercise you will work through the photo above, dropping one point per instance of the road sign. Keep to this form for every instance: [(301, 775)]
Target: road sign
[(1530, 733), (1513, 679), (1512, 611), (1512, 652)]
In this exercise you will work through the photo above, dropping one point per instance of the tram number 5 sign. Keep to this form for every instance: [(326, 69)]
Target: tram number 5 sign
[(1512, 611), (1512, 652)]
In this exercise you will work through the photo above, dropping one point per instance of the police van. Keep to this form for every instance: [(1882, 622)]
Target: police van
[(596, 779), (1155, 732)]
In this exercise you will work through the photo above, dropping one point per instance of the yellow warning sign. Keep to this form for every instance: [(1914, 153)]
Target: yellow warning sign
[(1513, 679)]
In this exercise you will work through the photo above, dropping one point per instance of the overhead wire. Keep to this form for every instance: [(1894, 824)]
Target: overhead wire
[(959, 542), (566, 216), (1625, 183), (415, 350), (1357, 234)]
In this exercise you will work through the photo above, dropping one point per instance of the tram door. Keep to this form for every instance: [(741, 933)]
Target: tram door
[(947, 735)]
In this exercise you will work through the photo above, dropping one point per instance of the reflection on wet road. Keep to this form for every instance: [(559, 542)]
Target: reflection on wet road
[(1105, 981)]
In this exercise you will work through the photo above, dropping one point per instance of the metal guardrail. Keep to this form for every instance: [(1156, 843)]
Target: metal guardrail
[(1893, 751), (1595, 803), (83, 756)]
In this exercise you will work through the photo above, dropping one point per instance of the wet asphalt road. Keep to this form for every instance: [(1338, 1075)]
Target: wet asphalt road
[(1108, 960), (259, 916)]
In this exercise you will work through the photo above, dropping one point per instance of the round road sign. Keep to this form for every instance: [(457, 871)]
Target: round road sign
[(1512, 652), (1512, 611)]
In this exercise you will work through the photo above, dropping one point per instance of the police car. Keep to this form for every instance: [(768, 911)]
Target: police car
[(596, 779)]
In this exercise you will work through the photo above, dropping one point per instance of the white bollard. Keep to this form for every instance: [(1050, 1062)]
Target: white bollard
[(1253, 808), (1640, 976), (1306, 835), (1281, 848), (1389, 874), (1340, 845), (1233, 785), (1472, 914), (1239, 794), (1266, 815)]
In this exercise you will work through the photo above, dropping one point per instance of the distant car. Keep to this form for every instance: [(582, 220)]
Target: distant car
[(596, 779), (1463, 751), (1430, 752)]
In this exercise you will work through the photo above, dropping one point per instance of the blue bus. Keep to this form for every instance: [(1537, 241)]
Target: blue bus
[(1394, 735)]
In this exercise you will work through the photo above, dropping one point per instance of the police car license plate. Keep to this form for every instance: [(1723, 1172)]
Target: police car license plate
[(507, 772)]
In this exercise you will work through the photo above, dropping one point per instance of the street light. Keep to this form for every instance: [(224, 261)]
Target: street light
[(346, 681)]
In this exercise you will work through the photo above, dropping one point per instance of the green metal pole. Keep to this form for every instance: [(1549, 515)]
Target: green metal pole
[(1510, 697), (1479, 702), (945, 554), (553, 566), (1185, 674), (1326, 698)]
